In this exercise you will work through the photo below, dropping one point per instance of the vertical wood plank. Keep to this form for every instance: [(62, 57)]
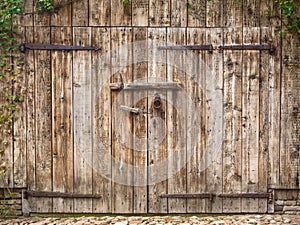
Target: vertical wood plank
[(179, 13), (233, 13), (27, 19), (197, 13), (82, 119), (99, 13), (290, 111), (31, 115), (264, 126), (101, 120), (43, 117), (269, 13), (214, 118), (122, 152), (251, 9), (274, 108), (232, 146), (214, 13), (196, 173), (80, 13), (62, 15), (157, 141), (62, 140), (19, 125), (140, 12), (40, 18), (140, 159), (120, 14), (159, 12), (250, 119), (176, 122)]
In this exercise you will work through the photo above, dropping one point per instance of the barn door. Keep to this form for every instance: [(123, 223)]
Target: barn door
[(185, 121)]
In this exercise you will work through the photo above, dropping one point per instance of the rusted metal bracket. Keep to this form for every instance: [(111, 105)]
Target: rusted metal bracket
[(210, 195), (141, 86), (50, 194), (37, 46), (187, 47), (268, 47)]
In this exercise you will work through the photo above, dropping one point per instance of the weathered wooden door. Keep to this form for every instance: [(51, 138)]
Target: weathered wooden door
[(185, 125)]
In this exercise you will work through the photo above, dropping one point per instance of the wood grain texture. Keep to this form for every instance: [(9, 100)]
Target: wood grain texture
[(157, 141), (99, 12), (20, 122), (214, 13), (62, 15), (178, 13), (232, 145), (251, 17), (40, 19), (43, 117), (232, 13), (140, 12), (62, 140), (214, 119), (290, 126), (101, 104), (80, 13), (82, 119), (195, 84), (176, 121), (197, 14), (120, 15), (250, 119), (274, 108), (27, 18), (159, 13), (122, 152), (140, 126)]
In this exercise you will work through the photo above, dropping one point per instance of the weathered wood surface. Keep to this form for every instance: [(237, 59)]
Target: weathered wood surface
[(70, 111)]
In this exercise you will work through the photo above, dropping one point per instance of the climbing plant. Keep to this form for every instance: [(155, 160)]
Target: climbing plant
[(10, 69)]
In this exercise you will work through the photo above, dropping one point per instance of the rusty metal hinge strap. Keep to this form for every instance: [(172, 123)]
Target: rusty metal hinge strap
[(210, 195), (187, 47), (142, 86), (269, 47), (37, 46), (50, 194)]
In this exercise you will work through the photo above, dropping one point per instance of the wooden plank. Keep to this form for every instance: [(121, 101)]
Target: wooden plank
[(214, 118), (274, 108), (250, 119), (120, 14), (140, 159), (80, 13), (232, 146), (251, 10), (196, 173), (19, 125), (159, 13), (264, 126), (269, 13), (197, 13), (176, 122), (290, 113), (62, 16), (233, 13), (43, 106), (27, 18), (99, 12), (214, 13), (31, 115), (157, 142), (122, 152), (62, 141), (140, 12), (82, 120), (102, 121), (40, 18), (179, 13)]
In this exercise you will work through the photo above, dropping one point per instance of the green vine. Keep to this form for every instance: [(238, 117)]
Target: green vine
[(10, 69)]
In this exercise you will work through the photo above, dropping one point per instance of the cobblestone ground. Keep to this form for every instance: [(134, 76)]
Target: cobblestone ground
[(163, 220)]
